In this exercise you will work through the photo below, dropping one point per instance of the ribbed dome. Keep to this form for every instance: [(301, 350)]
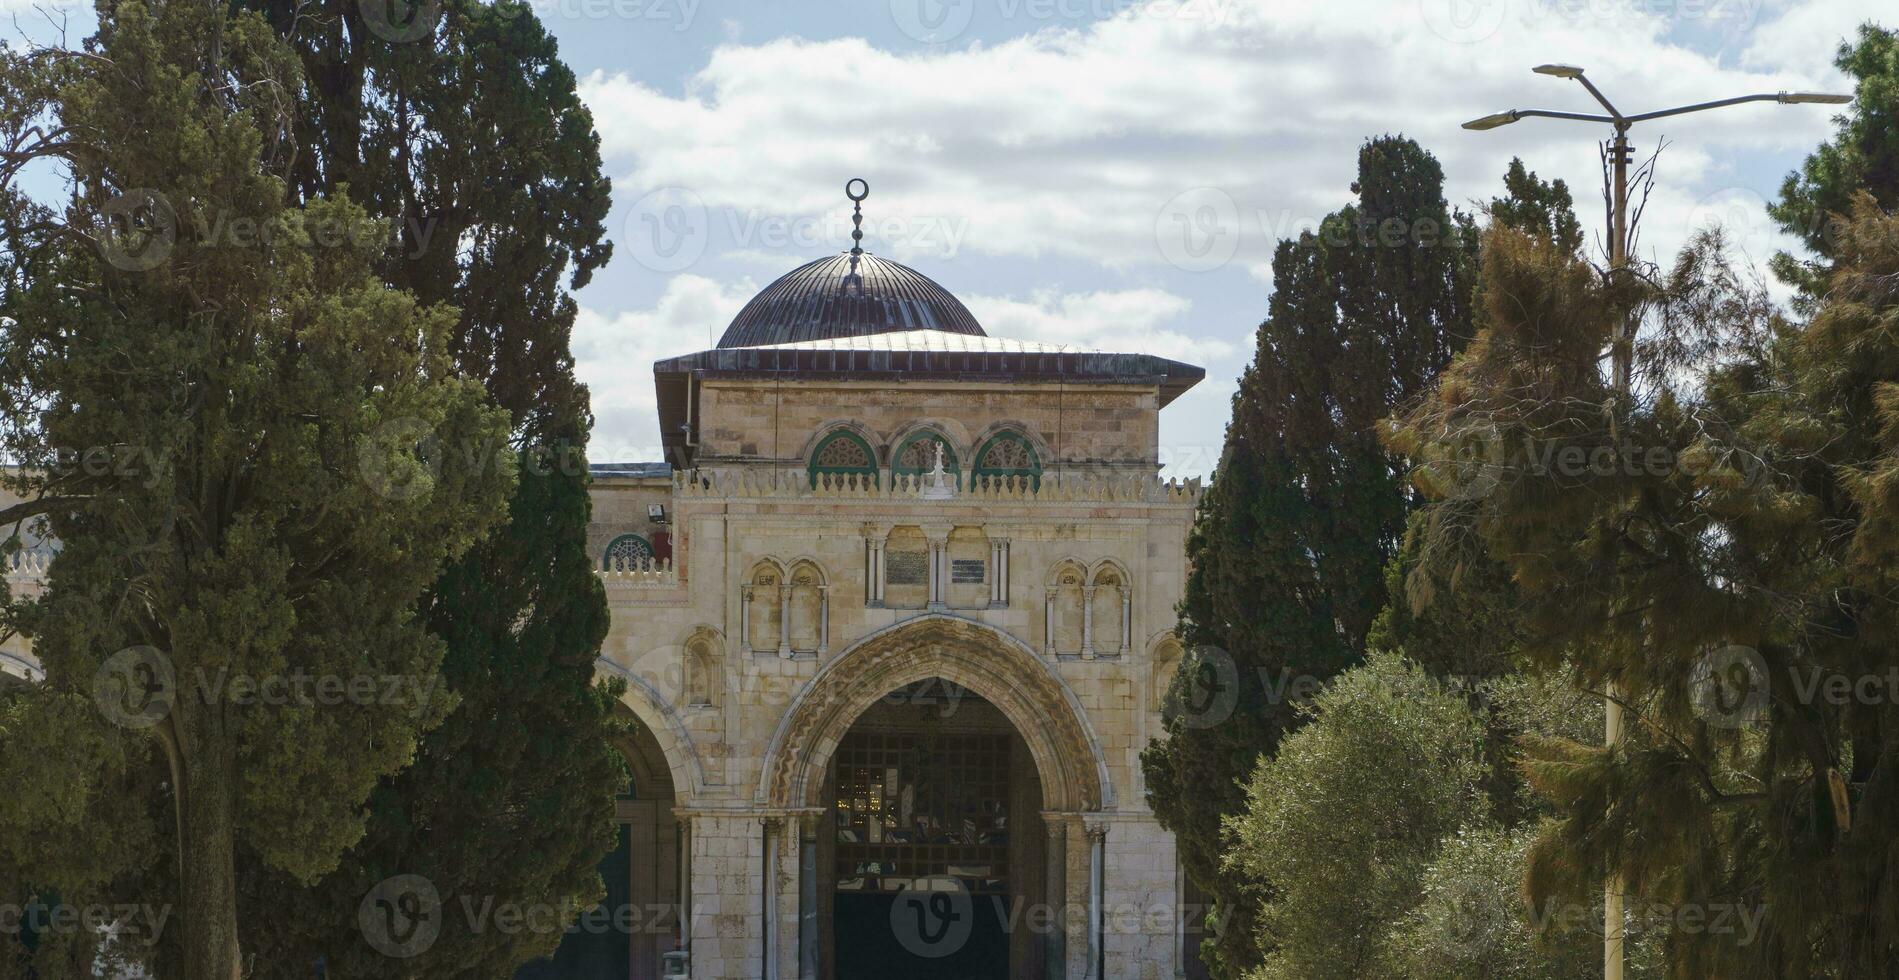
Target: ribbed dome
[(829, 298)]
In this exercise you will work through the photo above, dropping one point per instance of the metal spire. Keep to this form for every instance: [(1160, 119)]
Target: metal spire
[(856, 189)]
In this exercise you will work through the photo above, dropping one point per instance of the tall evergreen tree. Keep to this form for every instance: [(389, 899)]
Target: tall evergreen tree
[(1862, 157), (464, 128), (236, 351), (1289, 548)]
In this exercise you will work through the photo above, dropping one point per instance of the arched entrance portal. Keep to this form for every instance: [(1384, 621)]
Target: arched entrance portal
[(997, 791), (934, 843)]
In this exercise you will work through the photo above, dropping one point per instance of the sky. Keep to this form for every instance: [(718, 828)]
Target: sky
[(1114, 174)]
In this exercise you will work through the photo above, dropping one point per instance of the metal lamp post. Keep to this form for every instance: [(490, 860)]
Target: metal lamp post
[(1623, 355)]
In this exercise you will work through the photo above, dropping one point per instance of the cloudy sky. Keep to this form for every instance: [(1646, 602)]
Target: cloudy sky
[(1114, 174)]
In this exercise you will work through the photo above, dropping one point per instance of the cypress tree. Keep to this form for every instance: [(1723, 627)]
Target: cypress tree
[(465, 130), (1289, 547)]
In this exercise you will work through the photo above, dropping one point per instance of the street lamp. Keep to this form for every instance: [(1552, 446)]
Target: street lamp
[(1623, 354)]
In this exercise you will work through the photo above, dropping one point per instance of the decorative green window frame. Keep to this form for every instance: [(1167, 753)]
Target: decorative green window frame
[(606, 557), (870, 469), (1033, 471), (950, 463)]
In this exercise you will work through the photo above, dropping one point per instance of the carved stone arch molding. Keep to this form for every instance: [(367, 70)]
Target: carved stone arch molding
[(668, 730), (987, 661)]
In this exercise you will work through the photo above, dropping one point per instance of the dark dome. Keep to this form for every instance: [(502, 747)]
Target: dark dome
[(828, 298)]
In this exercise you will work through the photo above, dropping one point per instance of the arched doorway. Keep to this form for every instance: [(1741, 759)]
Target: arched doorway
[(1027, 754), (624, 937), (933, 843)]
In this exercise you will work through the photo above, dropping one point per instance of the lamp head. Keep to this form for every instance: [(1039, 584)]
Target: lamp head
[(1823, 98), (1560, 71), (1492, 121)]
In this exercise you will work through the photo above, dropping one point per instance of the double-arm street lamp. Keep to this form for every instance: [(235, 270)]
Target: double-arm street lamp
[(1622, 356)]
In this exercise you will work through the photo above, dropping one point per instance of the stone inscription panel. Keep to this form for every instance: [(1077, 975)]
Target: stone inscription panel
[(907, 567), (966, 571)]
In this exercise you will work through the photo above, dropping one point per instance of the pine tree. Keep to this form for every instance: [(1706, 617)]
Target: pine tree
[(1721, 547), (1862, 157)]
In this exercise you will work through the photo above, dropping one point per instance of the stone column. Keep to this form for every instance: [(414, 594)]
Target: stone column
[(784, 621), (1127, 619), (1055, 942), (1097, 888), (1048, 622), (771, 831), (1088, 622), (809, 935), (939, 552), (824, 619), (745, 619), (999, 575)]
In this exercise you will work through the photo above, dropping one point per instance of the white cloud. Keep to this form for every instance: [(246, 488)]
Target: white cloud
[(1136, 321), (614, 356), (1074, 141)]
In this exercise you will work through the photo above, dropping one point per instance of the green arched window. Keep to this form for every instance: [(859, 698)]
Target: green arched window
[(1008, 454), (843, 452), (917, 455), (624, 551)]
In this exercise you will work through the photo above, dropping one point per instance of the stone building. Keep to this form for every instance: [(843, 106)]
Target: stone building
[(897, 619)]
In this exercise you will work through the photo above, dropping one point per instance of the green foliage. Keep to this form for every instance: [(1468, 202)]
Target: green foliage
[(1737, 548), (305, 459), (1344, 820), (1290, 549), (1862, 157), (473, 143)]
